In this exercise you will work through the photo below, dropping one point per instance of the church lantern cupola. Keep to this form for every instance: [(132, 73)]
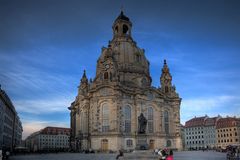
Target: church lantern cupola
[(122, 26)]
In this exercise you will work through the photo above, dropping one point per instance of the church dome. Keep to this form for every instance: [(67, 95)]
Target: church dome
[(123, 59)]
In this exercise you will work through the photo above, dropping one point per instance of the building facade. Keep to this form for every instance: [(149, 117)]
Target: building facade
[(49, 139), (194, 133), (119, 108), (210, 132), (228, 132), (10, 124), (182, 133)]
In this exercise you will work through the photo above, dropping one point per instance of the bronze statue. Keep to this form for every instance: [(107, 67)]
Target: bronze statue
[(142, 123)]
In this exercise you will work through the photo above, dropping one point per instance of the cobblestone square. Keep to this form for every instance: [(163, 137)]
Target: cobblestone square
[(141, 155)]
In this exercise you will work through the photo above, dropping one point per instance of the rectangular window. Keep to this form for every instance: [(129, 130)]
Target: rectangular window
[(167, 128), (127, 126), (129, 143), (150, 127)]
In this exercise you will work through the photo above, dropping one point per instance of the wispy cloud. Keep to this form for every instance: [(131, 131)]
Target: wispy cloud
[(43, 106), (206, 103), (212, 106), (30, 79)]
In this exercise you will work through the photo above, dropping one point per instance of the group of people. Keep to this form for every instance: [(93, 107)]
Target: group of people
[(164, 154), (233, 152)]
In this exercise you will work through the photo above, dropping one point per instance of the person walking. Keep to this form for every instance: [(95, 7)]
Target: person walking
[(162, 154), (120, 154)]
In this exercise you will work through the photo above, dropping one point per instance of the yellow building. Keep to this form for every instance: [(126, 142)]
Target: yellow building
[(228, 131)]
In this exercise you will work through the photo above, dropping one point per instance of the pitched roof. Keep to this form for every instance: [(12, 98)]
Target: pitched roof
[(228, 122), (196, 121)]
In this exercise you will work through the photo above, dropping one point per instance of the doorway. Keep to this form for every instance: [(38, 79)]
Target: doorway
[(104, 145), (151, 144)]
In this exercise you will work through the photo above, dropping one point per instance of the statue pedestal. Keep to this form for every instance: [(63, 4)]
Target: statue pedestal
[(142, 142)]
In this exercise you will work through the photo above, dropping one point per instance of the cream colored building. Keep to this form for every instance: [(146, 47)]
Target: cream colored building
[(104, 115), (49, 139), (228, 132)]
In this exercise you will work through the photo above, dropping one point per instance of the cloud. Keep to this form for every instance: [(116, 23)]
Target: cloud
[(31, 126), (28, 80), (212, 106), (207, 103), (43, 106), (31, 77)]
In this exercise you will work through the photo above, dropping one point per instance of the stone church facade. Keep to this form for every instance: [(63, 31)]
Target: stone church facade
[(106, 112)]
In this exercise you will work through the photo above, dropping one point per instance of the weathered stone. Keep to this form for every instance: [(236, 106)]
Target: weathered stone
[(119, 93)]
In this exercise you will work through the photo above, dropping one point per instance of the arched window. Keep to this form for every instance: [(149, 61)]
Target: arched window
[(81, 121), (84, 122), (127, 118), (106, 75), (166, 122), (110, 76), (150, 120), (105, 118), (125, 29), (166, 89), (138, 58)]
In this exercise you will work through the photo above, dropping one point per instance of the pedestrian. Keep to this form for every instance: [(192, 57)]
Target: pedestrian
[(170, 156), (120, 154), (162, 154), (7, 154), (1, 155)]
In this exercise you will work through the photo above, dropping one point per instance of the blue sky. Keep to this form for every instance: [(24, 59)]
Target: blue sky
[(45, 46)]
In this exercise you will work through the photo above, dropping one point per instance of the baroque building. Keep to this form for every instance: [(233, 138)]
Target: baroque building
[(200, 132), (228, 132), (194, 133), (119, 108)]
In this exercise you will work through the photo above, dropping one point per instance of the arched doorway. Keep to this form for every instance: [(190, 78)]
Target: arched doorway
[(104, 145), (151, 144)]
